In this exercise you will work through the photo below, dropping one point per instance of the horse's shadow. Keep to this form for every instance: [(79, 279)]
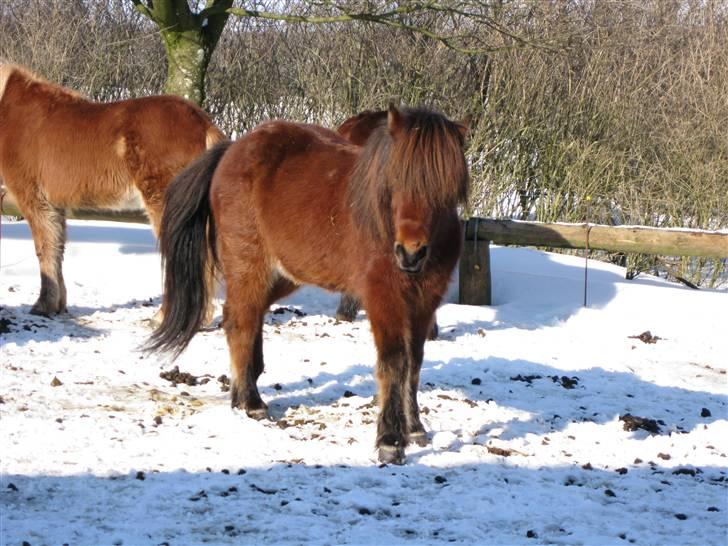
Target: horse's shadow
[(18, 326), (367, 504), (546, 398)]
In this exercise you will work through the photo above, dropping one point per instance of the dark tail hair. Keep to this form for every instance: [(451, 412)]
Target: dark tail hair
[(187, 245)]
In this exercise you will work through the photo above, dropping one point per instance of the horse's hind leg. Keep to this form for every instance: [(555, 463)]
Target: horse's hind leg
[(244, 331), (245, 307), (48, 225), (348, 308)]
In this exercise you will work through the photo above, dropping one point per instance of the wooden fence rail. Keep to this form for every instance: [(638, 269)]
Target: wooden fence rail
[(475, 261), (10, 208), (637, 239), (475, 285)]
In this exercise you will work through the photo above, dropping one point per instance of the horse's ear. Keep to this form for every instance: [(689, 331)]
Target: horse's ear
[(464, 125), (394, 119)]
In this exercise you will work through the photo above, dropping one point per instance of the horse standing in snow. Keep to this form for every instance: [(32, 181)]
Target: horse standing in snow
[(290, 204), (60, 151)]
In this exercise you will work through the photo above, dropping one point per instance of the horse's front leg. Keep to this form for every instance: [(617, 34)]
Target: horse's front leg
[(392, 362), (348, 308), (422, 323), (393, 394), (416, 432)]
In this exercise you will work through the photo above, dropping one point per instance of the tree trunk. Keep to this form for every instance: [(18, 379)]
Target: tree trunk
[(187, 60), (189, 40)]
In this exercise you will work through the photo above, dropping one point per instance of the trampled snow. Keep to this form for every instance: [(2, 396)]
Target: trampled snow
[(526, 402)]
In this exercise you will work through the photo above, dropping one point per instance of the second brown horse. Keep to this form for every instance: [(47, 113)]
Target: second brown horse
[(59, 151), (291, 204)]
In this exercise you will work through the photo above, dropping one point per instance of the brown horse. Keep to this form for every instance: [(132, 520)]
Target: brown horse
[(59, 151), (357, 130), (289, 204)]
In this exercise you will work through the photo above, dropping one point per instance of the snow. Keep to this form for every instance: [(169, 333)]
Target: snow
[(522, 400)]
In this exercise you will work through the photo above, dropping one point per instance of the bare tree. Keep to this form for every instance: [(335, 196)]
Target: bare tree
[(189, 37), (191, 31)]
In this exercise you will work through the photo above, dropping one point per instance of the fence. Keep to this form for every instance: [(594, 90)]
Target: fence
[(475, 277), (480, 232)]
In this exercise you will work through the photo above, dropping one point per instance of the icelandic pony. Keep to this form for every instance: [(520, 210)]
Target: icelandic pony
[(357, 130), (291, 204), (60, 151)]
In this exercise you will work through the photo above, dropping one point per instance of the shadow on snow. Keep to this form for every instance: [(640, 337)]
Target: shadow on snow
[(494, 503)]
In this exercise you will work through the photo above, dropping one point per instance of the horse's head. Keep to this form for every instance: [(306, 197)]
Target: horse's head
[(427, 177)]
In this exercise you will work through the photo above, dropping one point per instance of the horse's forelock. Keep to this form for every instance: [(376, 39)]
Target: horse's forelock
[(425, 161)]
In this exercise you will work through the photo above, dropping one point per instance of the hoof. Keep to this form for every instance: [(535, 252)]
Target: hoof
[(210, 326), (155, 321), (260, 414), (150, 323), (41, 310), (391, 455), (419, 438)]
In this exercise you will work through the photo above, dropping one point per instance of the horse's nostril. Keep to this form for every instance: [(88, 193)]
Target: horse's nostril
[(420, 255), (410, 261)]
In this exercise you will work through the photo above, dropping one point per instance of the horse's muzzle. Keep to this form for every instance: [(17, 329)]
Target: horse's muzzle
[(412, 263)]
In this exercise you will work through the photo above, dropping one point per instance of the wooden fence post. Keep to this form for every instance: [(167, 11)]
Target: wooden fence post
[(474, 267)]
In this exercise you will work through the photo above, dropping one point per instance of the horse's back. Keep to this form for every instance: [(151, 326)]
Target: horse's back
[(286, 182), (86, 153)]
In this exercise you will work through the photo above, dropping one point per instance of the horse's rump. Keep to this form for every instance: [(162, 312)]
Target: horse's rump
[(357, 129)]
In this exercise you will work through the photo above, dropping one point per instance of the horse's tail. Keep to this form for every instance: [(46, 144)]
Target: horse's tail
[(187, 245)]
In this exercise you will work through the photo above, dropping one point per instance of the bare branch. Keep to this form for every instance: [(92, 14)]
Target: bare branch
[(142, 8), (397, 18)]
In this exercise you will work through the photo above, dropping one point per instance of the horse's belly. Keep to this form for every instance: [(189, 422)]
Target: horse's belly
[(97, 194), (313, 270), (130, 200)]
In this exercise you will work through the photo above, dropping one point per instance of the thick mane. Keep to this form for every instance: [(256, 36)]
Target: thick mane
[(7, 70), (424, 160)]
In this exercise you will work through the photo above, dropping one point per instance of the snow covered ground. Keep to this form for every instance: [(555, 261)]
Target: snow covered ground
[(527, 403)]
